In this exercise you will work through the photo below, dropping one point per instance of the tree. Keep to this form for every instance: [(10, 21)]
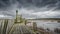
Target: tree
[(16, 16)]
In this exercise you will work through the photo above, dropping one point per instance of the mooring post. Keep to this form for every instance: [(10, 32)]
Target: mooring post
[(34, 26), (25, 22)]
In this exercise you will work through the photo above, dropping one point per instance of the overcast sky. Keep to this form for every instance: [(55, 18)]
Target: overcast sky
[(30, 8)]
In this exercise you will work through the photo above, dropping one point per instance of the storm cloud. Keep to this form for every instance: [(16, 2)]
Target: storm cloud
[(31, 8)]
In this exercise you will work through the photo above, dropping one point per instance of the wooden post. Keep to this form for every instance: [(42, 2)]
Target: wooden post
[(34, 26), (25, 22)]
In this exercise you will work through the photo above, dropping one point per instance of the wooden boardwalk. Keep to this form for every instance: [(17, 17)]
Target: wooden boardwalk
[(20, 29)]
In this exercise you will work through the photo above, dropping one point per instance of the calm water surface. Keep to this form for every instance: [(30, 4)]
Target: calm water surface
[(48, 25)]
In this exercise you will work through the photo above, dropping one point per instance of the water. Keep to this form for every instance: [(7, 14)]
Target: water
[(50, 25)]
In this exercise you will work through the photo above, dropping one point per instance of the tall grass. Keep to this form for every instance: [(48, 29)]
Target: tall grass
[(5, 26)]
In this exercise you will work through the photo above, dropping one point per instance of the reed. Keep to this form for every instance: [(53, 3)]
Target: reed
[(5, 26)]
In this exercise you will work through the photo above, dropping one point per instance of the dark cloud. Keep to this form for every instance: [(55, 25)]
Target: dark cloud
[(26, 3), (31, 8)]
